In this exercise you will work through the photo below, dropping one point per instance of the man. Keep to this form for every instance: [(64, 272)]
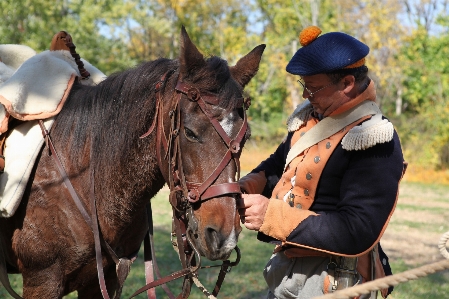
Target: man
[(325, 196)]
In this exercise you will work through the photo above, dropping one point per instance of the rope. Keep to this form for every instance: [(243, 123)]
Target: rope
[(442, 245), (202, 288), (392, 280)]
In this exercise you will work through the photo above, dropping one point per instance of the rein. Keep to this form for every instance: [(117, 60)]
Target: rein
[(184, 193)]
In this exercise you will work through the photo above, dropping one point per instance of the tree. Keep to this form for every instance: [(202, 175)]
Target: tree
[(34, 22)]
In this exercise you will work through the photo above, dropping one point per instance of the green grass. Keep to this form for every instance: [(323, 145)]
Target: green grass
[(434, 286), (245, 281)]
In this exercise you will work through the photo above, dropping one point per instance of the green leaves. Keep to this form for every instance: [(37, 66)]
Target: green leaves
[(407, 61)]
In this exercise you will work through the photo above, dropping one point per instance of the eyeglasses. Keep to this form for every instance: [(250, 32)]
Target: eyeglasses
[(311, 94)]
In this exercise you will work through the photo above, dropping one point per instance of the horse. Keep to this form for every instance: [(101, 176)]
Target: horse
[(105, 142)]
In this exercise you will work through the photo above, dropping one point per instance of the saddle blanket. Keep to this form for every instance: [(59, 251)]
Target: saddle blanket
[(32, 86)]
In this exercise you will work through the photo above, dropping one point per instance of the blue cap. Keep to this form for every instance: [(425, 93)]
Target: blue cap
[(328, 52)]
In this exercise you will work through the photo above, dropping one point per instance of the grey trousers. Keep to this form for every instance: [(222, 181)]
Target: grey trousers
[(298, 278)]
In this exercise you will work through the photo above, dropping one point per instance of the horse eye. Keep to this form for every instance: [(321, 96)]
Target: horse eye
[(241, 112), (190, 135)]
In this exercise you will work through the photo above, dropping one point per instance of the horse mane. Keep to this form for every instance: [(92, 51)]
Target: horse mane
[(111, 116)]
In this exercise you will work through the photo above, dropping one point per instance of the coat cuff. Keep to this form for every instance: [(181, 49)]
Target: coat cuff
[(281, 219), (253, 183)]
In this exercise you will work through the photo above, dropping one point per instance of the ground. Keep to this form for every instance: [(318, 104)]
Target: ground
[(419, 221)]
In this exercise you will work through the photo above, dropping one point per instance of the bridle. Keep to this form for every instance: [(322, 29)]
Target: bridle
[(184, 193), (193, 191)]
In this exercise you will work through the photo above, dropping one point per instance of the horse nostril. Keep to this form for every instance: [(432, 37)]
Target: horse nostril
[(212, 237)]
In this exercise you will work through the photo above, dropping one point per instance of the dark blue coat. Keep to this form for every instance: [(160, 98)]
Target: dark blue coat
[(355, 196)]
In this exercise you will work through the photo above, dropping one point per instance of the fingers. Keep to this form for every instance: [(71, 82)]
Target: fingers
[(251, 223), (240, 202), (242, 208), (252, 208), (246, 200)]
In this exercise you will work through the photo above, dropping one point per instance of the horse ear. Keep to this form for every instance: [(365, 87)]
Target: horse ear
[(190, 58), (247, 66)]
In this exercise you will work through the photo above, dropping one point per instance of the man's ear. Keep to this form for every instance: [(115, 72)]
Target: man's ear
[(349, 83)]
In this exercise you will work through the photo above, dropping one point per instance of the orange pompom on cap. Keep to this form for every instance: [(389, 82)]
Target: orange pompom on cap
[(308, 35)]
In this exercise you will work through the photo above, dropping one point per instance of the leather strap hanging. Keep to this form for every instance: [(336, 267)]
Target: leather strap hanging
[(4, 279), (121, 264)]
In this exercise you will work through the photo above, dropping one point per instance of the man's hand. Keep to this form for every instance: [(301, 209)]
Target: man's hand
[(252, 209)]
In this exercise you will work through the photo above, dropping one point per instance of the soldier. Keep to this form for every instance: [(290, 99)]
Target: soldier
[(325, 196)]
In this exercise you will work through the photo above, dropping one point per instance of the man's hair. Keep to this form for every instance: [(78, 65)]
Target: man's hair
[(360, 74)]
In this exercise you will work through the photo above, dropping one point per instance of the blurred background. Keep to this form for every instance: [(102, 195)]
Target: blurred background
[(409, 62), (409, 41)]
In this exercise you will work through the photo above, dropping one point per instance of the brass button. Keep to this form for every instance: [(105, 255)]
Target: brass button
[(317, 159), (299, 206), (328, 145), (291, 200), (309, 176), (306, 192)]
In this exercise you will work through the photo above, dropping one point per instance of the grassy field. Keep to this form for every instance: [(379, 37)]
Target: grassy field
[(421, 217)]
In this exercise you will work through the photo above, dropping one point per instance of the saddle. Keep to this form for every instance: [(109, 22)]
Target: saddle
[(37, 88), (60, 41)]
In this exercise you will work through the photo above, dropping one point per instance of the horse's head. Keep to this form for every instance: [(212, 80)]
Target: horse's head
[(208, 128)]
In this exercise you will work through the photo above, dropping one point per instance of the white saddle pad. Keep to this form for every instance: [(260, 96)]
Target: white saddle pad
[(36, 90), (21, 149)]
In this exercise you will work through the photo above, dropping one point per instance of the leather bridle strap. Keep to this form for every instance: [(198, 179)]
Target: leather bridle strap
[(161, 281), (220, 189), (96, 231), (158, 116), (150, 258)]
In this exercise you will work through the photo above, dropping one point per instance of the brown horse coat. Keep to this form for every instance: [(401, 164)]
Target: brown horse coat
[(97, 137)]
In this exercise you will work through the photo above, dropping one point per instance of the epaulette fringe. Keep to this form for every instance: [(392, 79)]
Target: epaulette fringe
[(300, 116), (372, 132)]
